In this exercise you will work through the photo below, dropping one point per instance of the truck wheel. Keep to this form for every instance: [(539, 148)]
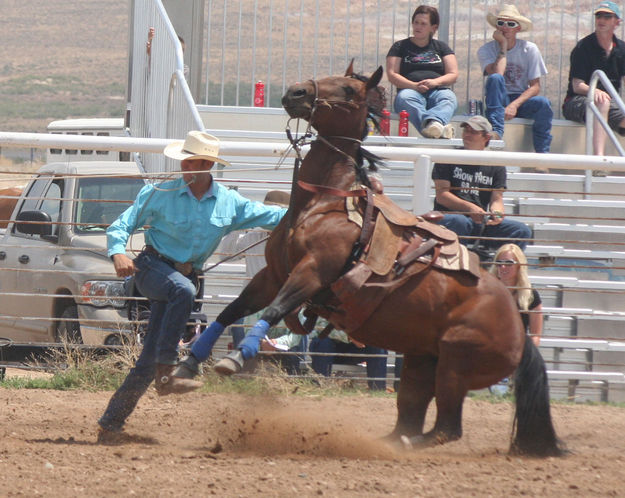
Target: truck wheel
[(67, 330)]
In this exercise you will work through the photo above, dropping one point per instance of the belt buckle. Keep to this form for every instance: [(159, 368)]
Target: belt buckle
[(184, 268)]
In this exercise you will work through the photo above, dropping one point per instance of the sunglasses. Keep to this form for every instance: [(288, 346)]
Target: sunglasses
[(505, 262), (509, 24), (604, 15)]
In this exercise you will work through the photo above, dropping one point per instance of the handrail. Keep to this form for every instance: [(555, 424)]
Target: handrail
[(590, 105), (593, 113), (161, 103)]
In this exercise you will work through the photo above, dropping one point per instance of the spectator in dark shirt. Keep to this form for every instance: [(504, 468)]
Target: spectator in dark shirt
[(472, 195), (599, 50), (423, 70)]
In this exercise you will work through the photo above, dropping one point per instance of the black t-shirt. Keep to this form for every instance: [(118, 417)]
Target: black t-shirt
[(465, 179), (420, 63), (588, 56), (525, 316)]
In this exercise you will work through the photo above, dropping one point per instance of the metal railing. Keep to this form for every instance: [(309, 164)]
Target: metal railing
[(161, 105), (287, 41), (593, 113)]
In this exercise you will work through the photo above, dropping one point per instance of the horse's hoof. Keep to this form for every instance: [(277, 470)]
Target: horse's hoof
[(409, 443), (230, 364), (188, 368)]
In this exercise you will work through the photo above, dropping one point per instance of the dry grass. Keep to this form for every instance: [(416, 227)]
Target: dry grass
[(60, 60)]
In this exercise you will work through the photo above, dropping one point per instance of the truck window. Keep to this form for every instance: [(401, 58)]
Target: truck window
[(44, 195), (51, 203), (35, 194), (102, 200)]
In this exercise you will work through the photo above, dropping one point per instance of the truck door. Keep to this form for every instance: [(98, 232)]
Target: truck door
[(34, 257), (9, 266)]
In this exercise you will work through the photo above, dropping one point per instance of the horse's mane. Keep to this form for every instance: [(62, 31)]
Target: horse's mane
[(376, 102)]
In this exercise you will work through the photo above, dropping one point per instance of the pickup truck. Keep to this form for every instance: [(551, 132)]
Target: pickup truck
[(56, 281)]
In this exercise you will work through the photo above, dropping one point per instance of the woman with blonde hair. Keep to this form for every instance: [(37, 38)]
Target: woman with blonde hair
[(510, 266)]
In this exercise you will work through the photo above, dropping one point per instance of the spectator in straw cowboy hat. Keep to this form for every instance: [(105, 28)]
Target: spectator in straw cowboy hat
[(513, 68), (187, 218)]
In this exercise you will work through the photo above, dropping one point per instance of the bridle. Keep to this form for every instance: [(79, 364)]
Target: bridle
[(297, 144)]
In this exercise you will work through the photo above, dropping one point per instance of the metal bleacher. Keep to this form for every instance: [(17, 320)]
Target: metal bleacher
[(577, 262)]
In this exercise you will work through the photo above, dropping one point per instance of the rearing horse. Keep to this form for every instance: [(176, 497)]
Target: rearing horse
[(458, 331)]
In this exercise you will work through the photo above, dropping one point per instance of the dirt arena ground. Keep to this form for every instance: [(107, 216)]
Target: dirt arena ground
[(235, 445)]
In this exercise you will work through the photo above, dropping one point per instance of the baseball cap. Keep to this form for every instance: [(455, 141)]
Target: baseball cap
[(478, 123), (607, 6)]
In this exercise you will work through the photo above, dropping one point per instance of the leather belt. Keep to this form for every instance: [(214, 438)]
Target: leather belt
[(185, 268)]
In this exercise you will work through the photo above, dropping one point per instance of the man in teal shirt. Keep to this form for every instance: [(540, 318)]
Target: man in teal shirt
[(186, 219)]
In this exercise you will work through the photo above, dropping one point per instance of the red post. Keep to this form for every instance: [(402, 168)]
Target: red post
[(259, 94), (403, 124), (385, 122)]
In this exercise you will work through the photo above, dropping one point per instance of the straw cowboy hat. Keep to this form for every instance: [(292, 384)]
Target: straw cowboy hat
[(197, 145), (512, 13)]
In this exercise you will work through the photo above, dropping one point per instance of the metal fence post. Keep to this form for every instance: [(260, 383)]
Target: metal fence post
[(421, 185)]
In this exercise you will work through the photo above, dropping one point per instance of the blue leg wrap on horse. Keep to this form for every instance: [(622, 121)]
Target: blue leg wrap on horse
[(201, 348), (249, 346)]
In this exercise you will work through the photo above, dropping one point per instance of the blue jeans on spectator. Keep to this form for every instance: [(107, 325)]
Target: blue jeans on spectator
[(399, 363), (438, 104), (376, 367), (463, 225), (238, 332), (537, 108), (171, 298)]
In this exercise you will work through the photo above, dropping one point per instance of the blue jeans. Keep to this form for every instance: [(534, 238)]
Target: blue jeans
[(438, 104), (376, 367), (464, 226), (537, 108), (171, 298)]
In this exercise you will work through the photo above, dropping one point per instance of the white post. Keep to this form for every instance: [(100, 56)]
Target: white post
[(421, 185)]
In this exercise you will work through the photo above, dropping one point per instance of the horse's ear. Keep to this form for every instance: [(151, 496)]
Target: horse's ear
[(376, 94), (350, 69), (375, 78)]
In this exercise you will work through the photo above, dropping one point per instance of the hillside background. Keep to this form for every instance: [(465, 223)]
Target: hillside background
[(61, 60)]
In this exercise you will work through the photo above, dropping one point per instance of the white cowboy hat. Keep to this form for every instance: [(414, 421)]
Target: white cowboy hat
[(512, 13), (197, 145)]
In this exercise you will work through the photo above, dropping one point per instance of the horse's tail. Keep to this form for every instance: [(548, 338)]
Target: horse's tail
[(535, 434)]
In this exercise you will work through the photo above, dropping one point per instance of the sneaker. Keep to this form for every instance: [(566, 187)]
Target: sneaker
[(432, 129), (599, 173), (494, 135), (448, 131)]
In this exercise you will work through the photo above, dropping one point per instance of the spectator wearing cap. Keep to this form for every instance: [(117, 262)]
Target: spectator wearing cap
[(599, 50), (472, 195), (513, 68), (187, 217)]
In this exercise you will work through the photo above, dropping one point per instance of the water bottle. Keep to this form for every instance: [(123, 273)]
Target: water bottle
[(259, 94), (403, 124), (385, 122)]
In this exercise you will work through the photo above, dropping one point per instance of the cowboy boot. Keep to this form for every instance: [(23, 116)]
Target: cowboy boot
[(188, 368), (230, 364), (166, 383)]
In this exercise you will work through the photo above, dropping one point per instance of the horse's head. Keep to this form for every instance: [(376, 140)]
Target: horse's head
[(337, 105)]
